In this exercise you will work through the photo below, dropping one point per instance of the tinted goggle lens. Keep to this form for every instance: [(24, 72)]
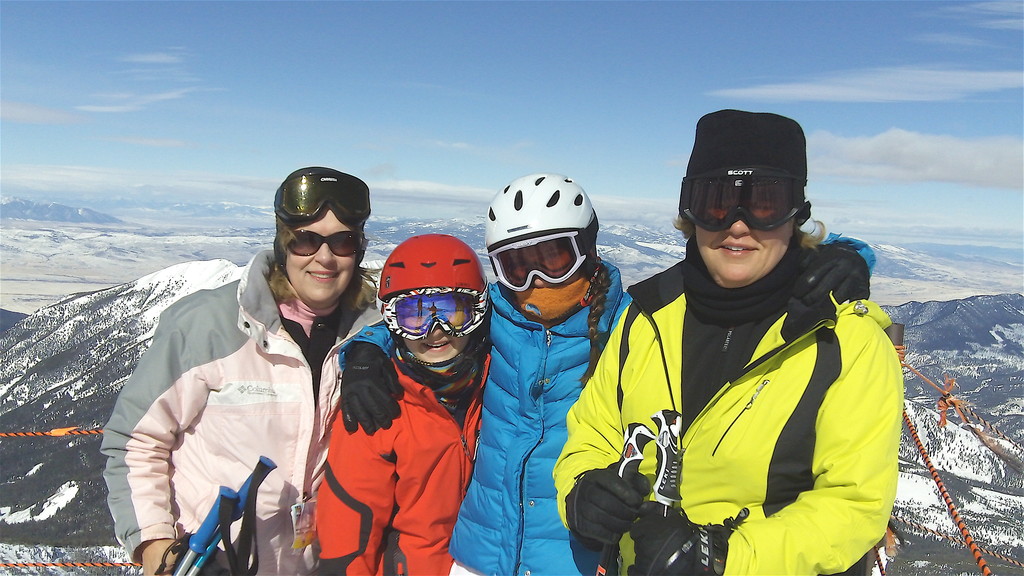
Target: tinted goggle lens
[(301, 200), (416, 314), (763, 202), (553, 259), (307, 243)]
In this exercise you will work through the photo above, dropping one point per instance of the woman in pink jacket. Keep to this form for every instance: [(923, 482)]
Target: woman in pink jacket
[(243, 371)]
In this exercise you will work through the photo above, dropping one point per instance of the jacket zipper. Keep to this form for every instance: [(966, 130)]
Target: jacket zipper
[(750, 404), (539, 387)]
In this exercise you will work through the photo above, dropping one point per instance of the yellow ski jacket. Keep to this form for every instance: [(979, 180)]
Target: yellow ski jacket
[(806, 438)]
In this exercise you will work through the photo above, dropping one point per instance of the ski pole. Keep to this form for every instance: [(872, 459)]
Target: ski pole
[(637, 436), (228, 514), (203, 538), (247, 530), (666, 492), (666, 487)]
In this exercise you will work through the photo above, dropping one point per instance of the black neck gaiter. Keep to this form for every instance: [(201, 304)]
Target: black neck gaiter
[(733, 306)]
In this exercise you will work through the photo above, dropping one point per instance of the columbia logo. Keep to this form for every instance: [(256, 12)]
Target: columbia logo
[(256, 389)]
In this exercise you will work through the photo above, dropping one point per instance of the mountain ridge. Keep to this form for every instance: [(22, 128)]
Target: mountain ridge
[(63, 366)]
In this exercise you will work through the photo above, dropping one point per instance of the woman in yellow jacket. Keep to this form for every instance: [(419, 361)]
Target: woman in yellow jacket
[(788, 417)]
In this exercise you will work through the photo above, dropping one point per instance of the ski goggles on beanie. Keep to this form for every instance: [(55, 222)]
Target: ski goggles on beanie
[(764, 199), (415, 314), (308, 243), (302, 197), (553, 258)]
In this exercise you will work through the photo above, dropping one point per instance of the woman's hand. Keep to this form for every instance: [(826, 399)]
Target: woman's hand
[(153, 557), (835, 268)]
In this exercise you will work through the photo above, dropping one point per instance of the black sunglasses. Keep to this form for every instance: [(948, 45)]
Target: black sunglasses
[(307, 243)]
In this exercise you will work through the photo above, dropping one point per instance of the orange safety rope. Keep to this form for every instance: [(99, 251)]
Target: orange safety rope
[(878, 563), (993, 428), (947, 400), (968, 539), (71, 431), (68, 564), (956, 540)]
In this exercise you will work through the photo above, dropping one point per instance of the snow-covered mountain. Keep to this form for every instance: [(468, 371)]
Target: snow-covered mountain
[(17, 208), (64, 365), (45, 260)]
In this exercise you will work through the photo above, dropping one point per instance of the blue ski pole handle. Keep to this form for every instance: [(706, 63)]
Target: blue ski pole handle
[(666, 483), (207, 534), (263, 467), (637, 436)]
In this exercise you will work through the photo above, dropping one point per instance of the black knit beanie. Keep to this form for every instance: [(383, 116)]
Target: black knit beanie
[(738, 139)]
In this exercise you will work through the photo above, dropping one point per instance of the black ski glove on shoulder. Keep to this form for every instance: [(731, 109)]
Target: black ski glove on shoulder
[(601, 506), (369, 386), (667, 543), (836, 268)]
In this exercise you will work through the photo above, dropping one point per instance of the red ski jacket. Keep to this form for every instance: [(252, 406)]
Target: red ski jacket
[(389, 501)]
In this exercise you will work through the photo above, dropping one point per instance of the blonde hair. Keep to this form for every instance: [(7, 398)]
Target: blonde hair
[(807, 239), (360, 293)]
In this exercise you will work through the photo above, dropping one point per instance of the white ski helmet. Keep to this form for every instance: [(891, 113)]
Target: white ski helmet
[(536, 205)]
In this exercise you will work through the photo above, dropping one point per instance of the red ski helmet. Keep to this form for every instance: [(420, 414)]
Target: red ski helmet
[(432, 264)]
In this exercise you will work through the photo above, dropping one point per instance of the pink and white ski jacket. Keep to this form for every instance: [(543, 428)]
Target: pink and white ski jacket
[(221, 385)]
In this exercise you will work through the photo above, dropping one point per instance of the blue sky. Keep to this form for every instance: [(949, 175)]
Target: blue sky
[(914, 110)]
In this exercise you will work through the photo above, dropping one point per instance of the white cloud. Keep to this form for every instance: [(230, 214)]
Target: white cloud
[(153, 142), (22, 113), (895, 84), (901, 155), (946, 40), (153, 58), (131, 102), (111, 182), (998, 15)]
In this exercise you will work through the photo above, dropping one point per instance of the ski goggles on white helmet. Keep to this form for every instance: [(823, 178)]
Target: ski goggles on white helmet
[(553, 258), (414, 314), (764, 199)]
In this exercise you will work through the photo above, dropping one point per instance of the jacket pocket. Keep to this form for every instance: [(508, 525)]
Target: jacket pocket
[(749, 405)]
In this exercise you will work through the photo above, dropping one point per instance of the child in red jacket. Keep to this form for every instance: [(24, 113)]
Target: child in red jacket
[(389, 501)]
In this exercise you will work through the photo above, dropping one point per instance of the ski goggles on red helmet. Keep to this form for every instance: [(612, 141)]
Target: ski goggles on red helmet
[(415, 314), (553, 258), (308, 243), (764, 199), (302, 197)]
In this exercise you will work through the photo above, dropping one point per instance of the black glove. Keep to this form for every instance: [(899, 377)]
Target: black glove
[(369, 387), (666, 542), (836, 268), (601, 506)]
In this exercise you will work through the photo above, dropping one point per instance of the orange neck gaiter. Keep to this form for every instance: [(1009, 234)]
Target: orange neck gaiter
[(550, 305)]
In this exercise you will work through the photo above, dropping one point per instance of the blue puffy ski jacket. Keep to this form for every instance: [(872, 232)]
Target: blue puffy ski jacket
[(509, 522)]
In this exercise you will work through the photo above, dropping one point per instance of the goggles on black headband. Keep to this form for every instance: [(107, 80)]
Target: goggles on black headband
[(763, 198), (301, 199)]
